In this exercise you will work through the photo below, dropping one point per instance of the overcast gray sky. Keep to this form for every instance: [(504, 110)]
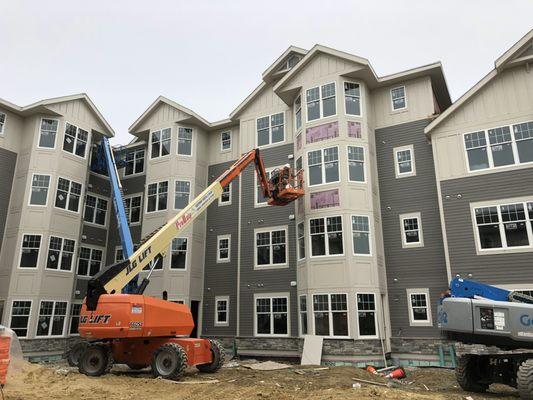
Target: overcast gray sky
[(209, 55)]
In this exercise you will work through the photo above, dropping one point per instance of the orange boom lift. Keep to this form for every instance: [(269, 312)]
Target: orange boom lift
[(143, 331)]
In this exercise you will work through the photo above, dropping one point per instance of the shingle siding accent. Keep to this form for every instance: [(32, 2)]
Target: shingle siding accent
[(421, 267), (493, 268)]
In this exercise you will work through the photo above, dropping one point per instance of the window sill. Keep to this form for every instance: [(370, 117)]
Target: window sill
[(66, 213), (58, 271), (223, 261), (320, 121), (412, 246), (421, 324), (221, 324), (74, 157), (405, 175), (270, 266), (267, 146), (487, 252), (399, 111)]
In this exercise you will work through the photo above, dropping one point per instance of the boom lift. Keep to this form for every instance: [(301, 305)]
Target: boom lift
[(495, 329), (139, 330)]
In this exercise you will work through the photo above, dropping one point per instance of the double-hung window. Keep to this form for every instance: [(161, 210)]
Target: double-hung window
[(326, 236), (157, 196), (89, 261), (29, 256), (300, 236), (523, 135), (185, 141), (225, 141), (356, 164), (272, 316), (134, 162), (75, 140), (2, 122), (398, 98), (222, 311), (323, 166), (39, 190), (182, 192), (160, 143), (505, 226), (60, 253), (476, 150), (303, 314), (271, 247), (411, 230), (261, 200), (52, 315), (404, 161), (225, 197), (361, 235), (366, 315), (20, 317), (68, 195), (352, 98), (330, 313), (95, 210), (270, 129), (178, 253), (75, 310), (321, 101), (48, 133), (419, 309), (223, 248), (501, 146), (132, 207), (298, 113)]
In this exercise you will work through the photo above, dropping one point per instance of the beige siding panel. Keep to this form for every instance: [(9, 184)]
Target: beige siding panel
[(10, 139), (78, 112)]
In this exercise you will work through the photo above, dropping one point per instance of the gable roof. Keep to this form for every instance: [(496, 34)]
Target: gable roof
[(507, 59), (41, 106), (273, 68)]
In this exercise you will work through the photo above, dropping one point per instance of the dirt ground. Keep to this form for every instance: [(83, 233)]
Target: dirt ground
[(60, 382)]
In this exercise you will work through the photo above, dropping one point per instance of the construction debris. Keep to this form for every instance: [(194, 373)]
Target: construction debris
[(267, 366)]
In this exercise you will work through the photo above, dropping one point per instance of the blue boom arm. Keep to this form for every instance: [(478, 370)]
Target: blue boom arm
[(469, 289)]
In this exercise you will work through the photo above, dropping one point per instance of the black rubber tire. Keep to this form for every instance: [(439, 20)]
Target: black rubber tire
[(136, 367), (218, 358), (96, 360), (467, 374), (524, 380), (171, 353), (75, 352)]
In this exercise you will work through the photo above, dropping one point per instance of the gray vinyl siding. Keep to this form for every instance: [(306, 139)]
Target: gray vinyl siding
[(421, 267), (509, 268), (220, 279), (270, 280), (8, 160)]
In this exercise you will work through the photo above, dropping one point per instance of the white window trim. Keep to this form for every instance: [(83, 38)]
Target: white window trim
[(516, 165), (324, 183), (170, 257), (227, 203), (191, 194), (320, 101), (134, 151), (270, 144), (117, 248), (74, 254), (38, 256), (87, 145), (420, 243), (300, 312), (3, 130), (47, 193), (105, 225), (69, 322), (504, 249), (412, 322), (57, 134), (81, 203), (222, 149), (296, 129), (299, 257), (67, 319), (223, 260), (271, 229), (256, 183), (365, 170), (326, 237), (178, 138), (271, 296), (360, 99), (157, 195), (217, 299), (10, 315), (330, 315), (392, 102), (149, 147), (141, 208), (370, 234), (397, 166), (376, 336), (102, 262)]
